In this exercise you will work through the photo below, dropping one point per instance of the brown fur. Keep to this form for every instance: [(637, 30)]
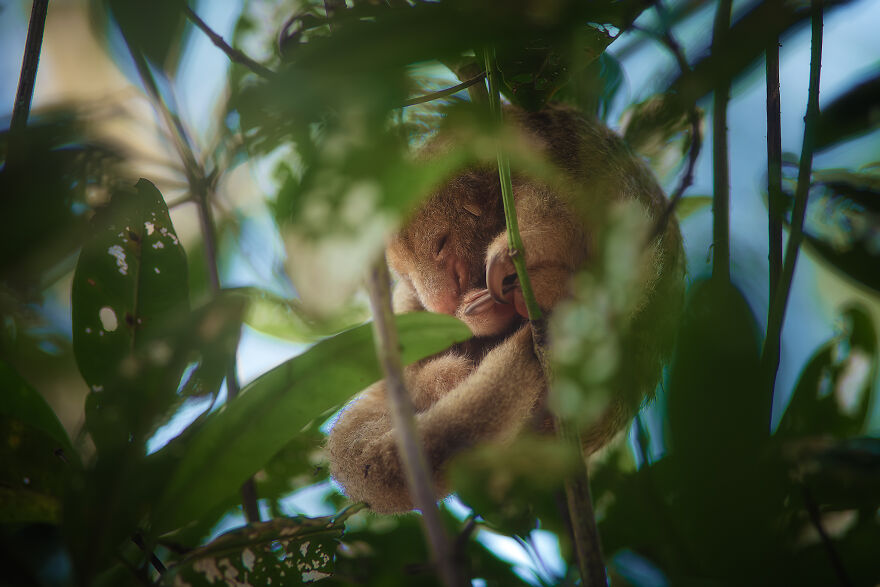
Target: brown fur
[(490, 387)]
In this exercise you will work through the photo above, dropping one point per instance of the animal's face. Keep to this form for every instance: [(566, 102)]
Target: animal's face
[(442, 250)]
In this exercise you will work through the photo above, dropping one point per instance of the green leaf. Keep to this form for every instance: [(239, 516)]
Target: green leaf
[(284, 551), (240, 438), (129, 291), (834, 390), (719, 421), (21, 402)]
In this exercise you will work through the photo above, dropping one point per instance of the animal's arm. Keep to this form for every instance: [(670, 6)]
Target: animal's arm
[(491, 403)]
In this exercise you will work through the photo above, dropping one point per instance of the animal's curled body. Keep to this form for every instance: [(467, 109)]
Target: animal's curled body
[(452, 256)]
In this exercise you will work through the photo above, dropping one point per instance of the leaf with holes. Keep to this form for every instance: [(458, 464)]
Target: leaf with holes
[(284, 551), (129, 288)]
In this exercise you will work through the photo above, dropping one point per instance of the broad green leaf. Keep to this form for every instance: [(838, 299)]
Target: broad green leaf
[(240, 438), (284, 551), (129, 290), (719, 421), (834, 390), (19, 401), (715, 391)]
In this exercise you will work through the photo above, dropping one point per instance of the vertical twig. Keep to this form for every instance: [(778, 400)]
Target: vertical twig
[(776, 317), (514, 240), (774, 163), (29, 63), (199, 188), (403, 420), (585, 534), (774, 175), (721, 181)]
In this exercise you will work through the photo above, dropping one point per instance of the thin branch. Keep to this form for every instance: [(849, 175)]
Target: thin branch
[(29, 63), (834, 557), (447, 92), (577, 488), (776, 317), (200, 186), (403, 420), (774, 175), (232, 53), (687, 179), (720, 163)]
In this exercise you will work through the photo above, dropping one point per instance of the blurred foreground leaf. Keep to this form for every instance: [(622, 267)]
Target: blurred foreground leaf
[(49, 174), (512, 486), (240, 438), (719, 419)]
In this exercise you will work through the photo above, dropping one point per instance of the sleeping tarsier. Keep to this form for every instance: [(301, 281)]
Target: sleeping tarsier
[(452, 257)]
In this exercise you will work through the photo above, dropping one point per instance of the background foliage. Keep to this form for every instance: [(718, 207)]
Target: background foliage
[(147, 242)]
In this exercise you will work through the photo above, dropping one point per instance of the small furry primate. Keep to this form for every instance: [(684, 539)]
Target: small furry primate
[(452, 257)]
